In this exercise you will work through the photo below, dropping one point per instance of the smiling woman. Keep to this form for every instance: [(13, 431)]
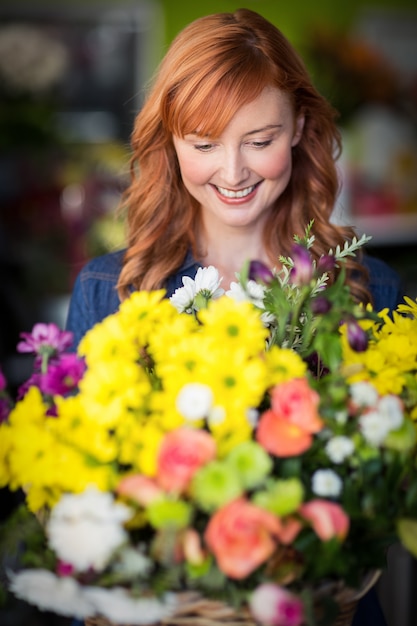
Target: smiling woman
[(233, 153)]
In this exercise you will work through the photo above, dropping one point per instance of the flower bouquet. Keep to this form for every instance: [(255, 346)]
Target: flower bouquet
[(242, 457)]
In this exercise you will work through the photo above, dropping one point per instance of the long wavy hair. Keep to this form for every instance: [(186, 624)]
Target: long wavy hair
[(214, 66)]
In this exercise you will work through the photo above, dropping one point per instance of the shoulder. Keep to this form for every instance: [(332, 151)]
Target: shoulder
[(384, 283), (103, 268), (94, 295)]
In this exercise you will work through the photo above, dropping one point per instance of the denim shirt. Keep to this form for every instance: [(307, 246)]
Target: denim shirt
[(95, 296)]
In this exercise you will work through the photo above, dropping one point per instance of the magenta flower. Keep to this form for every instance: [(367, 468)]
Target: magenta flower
[(275, 606), (45, 336), (63, 375), (326, 263), (320, 305), (3, 382), (260, 272), (302, 271), (356, 336)]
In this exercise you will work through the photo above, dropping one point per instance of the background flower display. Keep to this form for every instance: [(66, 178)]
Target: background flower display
[(243, 446)]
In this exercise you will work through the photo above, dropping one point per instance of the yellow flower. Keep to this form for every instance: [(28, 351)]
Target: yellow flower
[(283, 364), (236, 324)]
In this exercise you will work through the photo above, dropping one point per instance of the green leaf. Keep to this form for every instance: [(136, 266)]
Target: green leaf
[(407, 531)]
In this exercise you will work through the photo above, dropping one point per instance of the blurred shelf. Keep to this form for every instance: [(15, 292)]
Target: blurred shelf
[(388, 229)]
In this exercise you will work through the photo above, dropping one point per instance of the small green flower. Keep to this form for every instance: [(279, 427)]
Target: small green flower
[(251, 462), (163, 513), (281, 497), (215, 484)]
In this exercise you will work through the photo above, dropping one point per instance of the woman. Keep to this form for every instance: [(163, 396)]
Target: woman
[(233, 153)]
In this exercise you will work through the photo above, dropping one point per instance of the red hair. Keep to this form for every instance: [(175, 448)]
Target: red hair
[(214, 66)]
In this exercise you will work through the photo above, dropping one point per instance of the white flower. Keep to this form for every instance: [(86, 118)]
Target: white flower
[(364, 394), (392, 408), (85, 529), (183, 297), (375, 427), (339, 448), (254, 292), (117, 605), (194, 401), (208, 280), (132, 563), (217, 415), (51, 593), (205, 286), (326, 483)]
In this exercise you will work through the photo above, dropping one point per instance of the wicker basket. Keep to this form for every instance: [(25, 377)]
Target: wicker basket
[(194, 610)]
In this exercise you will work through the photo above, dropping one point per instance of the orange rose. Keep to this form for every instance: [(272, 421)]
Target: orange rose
[(287, 428), (181, 453), (328, 519), (241, 536)]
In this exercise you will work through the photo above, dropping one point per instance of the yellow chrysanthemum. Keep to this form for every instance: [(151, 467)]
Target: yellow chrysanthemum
[(107, 340), (112, 387), (78, 428), (283, 364), (236, 324)]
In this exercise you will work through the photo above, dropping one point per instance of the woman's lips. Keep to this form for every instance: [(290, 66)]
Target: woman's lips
[(236, 196)]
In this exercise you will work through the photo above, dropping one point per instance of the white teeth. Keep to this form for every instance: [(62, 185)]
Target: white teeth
[(235, 194)]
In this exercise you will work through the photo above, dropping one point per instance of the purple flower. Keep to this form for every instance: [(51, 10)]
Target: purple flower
[(43, 336), (63, 375), (356, 336), (275, 606), (260, 272), (326, 263), (302, 271), (320, 305)]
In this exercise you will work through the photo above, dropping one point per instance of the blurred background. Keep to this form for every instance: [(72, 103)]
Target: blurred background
[(72, 78)]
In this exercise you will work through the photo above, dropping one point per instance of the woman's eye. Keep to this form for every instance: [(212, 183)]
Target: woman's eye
[(203, 147), (261, 144)]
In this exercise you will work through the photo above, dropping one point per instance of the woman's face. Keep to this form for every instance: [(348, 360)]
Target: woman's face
[(237, 177)]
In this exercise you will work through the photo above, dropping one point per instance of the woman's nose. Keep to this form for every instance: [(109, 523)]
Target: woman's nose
[(235, 170)]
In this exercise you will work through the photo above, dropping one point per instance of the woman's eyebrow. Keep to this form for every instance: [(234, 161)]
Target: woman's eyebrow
[(260, 130)]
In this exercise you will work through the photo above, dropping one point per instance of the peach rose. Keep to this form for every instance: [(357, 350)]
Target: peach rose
[(181, 454), (287, 428), (328, 519), (241, 536), (139, 488)]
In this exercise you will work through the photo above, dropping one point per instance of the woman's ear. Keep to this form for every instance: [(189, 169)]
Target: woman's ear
[(299, 126)]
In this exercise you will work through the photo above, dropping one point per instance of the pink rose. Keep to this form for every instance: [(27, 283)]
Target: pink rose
[(181, 454), (241, 537), (138, 488), (272, 605), (328, 519), (287, 428)]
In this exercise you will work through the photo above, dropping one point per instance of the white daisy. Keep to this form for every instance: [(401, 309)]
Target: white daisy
[(339, 448), (375, 427), (207, 280), (51, 593), (117, 605), (85, 529), (194, 401), (392, 407), (326, 483), (183, 297), (364, 394)]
